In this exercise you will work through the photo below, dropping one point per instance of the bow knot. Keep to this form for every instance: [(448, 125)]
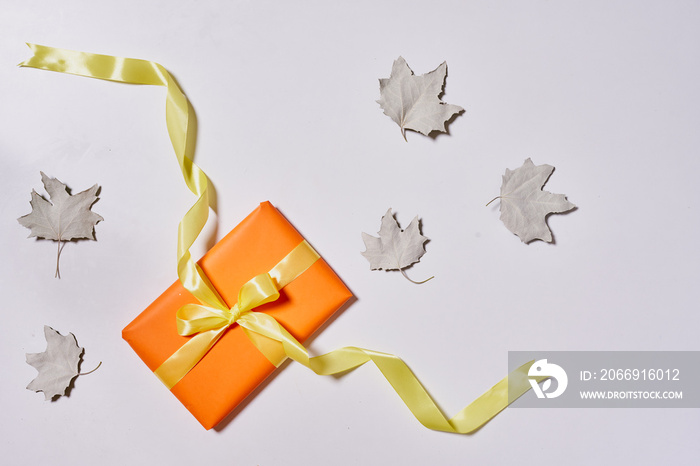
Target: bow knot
[(236, 313)]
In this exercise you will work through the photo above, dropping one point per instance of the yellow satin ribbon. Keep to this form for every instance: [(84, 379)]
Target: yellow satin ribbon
[(213, 317)]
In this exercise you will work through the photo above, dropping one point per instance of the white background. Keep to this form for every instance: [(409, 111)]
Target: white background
[(605, 91)]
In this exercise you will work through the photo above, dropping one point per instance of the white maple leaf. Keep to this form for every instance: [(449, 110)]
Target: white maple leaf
[(524, 206), (395, 249), (57, 366), (413, 102), (65, 218)]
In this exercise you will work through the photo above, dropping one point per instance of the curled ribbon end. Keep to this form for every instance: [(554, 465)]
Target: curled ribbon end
[(33, 48)]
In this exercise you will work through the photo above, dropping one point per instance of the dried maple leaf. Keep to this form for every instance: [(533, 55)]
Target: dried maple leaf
[(395, 249), (57, 366), (524, 206), (65, 218), (413, 102)]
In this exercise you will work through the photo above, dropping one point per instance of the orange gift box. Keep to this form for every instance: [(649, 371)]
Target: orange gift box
[(232, 369)]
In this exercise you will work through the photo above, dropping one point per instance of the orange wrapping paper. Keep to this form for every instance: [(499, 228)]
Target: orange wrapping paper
[(234, 367)]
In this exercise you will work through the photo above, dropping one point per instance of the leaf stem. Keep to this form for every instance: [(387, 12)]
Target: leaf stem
[(497, 197), (90, 372), (61, 245), (413, 281)]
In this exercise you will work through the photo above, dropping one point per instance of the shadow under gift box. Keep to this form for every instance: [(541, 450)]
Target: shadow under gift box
[(233, 368)]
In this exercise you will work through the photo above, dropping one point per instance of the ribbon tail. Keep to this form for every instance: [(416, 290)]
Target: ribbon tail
[(272, 349), (92, 65), (494, 400), (266, 326), (399, 375)]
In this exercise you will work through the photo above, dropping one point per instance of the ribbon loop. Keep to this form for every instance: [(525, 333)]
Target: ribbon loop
[(257, 291), (196, 318)]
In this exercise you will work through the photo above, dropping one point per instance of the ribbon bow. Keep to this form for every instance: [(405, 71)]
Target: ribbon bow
[(207, 322), (196, 318)]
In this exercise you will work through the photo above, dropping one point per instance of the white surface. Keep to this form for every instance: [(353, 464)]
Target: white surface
[(606, 91)]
